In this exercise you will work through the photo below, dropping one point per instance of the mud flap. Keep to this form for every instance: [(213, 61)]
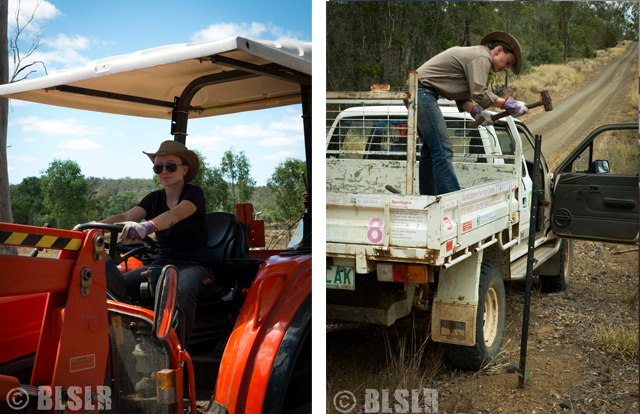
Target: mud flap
[(453, 318)]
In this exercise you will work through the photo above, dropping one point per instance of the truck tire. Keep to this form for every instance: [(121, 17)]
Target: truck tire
[(560, 281), (490, 321)]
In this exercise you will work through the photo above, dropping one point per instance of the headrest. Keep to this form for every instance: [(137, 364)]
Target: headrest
[(219, 224)]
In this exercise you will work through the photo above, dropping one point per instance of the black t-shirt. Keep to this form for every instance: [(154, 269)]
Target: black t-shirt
[(185, 243)]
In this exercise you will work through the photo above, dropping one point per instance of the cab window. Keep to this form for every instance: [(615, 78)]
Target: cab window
[(618, 148), (507, 144)]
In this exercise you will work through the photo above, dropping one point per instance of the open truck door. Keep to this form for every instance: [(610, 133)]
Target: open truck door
[(264, 362), (593, 199)]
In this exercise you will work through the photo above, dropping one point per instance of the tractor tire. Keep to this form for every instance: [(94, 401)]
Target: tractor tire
[(298, 398), (560, 281), (490, 323)]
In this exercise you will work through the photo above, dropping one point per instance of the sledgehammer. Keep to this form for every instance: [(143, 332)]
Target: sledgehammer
[(545, 101)]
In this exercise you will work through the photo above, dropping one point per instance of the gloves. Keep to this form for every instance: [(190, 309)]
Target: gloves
[(515, 108), (482, 116), (133, 232)]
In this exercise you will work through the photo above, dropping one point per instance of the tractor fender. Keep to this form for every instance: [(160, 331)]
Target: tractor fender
[(286, 358), (280, 288)]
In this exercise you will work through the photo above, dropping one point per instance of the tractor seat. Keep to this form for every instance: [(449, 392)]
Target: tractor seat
[(228, 247)]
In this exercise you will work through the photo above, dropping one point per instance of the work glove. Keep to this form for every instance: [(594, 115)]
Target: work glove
[(133, 232), (482, 116), (515, 108)]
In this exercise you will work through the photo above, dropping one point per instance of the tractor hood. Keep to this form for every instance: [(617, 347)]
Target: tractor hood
[(242, 74)]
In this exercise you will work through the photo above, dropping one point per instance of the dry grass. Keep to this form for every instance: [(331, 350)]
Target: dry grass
[(412, 362), (618, 341), (559, 78)]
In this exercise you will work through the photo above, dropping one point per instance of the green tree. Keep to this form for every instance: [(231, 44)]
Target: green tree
[(65, 193), (215, 188), (119, 203), (236, 168), (27, 204), (287, 187)]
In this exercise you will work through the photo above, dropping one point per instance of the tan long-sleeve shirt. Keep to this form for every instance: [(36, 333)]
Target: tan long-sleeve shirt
[(460, 74)]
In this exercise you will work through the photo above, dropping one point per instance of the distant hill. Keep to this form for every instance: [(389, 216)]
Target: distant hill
[(110, 186), (261, 199)]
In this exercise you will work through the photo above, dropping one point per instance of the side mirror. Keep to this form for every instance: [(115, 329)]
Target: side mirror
[(165, 302), (600, 166)]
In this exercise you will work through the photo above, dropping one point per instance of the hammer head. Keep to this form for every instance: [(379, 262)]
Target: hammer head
[(546, 100)]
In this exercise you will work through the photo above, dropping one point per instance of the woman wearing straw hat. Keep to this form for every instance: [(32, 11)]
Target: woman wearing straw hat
[(460, 74), (176, 214)]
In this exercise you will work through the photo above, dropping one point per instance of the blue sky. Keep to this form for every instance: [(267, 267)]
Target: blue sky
[(111, 146)]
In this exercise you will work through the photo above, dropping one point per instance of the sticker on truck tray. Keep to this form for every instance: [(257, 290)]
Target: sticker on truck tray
[(450, 245), (408, 204), (81, 363), (364, 199), (450, 202), (334, 200), (480, 192), (467, 226), (485, 218)]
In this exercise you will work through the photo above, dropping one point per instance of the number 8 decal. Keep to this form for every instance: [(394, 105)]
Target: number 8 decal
[(375, 231)]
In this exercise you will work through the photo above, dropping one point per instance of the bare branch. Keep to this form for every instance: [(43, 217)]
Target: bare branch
[(18, 59)]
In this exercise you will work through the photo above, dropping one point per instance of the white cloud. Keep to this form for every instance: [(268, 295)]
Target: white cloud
[(10, 168), (280, 141), (281, 155), (63, 50), (251, 30), (80, 144), (29, 140), (44, 11), (22, 157), (289, 123), (233, 134), (56, 127), (62, 41)]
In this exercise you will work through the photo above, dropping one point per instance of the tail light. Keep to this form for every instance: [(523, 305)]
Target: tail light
[(388, 272)]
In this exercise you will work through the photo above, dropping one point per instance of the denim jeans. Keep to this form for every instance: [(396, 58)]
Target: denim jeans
[(190, 285), (436, 156)]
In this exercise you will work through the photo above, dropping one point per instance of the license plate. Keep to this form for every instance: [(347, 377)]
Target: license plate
[(341, 277)]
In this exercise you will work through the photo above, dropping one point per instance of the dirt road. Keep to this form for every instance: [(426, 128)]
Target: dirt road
[(573, 118)]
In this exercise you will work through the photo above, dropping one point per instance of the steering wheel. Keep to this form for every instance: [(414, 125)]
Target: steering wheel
[(114, 248)]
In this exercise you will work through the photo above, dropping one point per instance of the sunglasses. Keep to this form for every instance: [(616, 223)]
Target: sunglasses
[(171, 167)]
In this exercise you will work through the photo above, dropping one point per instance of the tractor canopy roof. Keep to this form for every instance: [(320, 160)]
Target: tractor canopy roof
[(221, 76)]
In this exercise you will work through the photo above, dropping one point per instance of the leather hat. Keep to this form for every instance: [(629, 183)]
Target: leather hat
[(509, 40), (176, 148)]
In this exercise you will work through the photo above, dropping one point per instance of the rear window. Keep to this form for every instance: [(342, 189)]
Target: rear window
[(386, 139)]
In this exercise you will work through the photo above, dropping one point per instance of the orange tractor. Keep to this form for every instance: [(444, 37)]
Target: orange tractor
[(69, 343)]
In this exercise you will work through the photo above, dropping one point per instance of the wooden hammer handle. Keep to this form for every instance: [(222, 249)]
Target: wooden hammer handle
[(495, 117)]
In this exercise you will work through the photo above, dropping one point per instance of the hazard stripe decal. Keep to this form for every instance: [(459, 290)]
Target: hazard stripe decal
[(37, 240)]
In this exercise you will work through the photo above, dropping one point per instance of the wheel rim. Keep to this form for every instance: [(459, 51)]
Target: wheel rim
[(490, 321), (567, 252)]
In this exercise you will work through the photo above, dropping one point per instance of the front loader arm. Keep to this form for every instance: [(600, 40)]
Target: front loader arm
[(74, 340)]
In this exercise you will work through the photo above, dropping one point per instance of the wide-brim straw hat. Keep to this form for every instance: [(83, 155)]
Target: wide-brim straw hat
[(509, 40), (176, 148)]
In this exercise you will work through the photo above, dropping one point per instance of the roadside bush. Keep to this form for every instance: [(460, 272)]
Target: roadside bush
[(545, 53)]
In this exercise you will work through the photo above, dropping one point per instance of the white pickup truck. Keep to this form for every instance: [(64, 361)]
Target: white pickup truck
[(391, 253)]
